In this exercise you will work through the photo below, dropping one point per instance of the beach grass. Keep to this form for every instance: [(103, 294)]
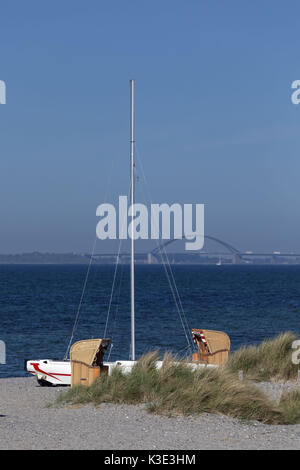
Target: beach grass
[(270, 360), (290, 407), (176, 388)]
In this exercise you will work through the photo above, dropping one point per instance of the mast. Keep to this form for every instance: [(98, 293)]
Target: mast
[(132, 231)]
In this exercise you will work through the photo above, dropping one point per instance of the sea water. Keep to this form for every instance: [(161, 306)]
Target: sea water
[(39, 305)]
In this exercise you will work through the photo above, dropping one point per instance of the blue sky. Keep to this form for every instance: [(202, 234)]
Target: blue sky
[(214, 119)]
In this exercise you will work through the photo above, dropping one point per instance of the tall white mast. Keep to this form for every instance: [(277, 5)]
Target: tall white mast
[(132, 231)]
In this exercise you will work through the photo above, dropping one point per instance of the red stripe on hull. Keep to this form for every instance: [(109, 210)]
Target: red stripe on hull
[(36, 367)]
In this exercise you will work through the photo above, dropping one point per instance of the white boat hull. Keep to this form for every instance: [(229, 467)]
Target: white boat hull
[(51, 372)]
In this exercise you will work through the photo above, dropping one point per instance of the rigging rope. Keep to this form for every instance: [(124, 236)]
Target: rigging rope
[(112, 290), (116, 311), (80, 302), (170, 278), (114, 278), (88, 271), (175, 294)]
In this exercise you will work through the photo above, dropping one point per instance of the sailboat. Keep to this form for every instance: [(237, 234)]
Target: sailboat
[(211, 345)]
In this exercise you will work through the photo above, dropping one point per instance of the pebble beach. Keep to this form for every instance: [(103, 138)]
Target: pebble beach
[(27, 422)]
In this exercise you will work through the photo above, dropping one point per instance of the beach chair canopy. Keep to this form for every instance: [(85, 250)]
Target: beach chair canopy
[(213, 346), (89, 351)]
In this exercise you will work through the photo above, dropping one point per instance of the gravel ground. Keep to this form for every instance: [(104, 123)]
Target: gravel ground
[(27, 423)]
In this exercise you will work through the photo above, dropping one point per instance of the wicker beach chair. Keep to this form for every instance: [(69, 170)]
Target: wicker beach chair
[(87, 361), (213, 346)]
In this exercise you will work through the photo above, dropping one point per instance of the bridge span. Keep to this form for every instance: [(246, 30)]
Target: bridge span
[(237, 256)]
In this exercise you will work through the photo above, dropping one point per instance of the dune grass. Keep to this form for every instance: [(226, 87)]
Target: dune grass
[(290, 407), (178, 389), (270, 360)]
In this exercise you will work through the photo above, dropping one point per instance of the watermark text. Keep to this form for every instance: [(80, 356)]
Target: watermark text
[(188, 222), (2, 352), (2, 92), (296, 354)]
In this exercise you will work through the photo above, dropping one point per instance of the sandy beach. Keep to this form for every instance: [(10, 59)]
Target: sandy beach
[(27, 422)]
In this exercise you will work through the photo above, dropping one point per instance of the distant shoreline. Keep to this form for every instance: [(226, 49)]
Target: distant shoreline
[(100, 263), (102, 259)]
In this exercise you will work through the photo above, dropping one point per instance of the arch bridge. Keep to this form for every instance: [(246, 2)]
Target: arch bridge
[(236, 254)]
